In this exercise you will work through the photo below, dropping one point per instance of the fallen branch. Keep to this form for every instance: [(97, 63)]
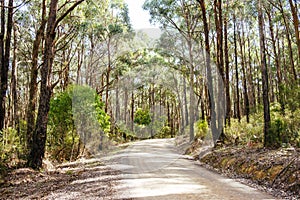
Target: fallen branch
[(283, 171)]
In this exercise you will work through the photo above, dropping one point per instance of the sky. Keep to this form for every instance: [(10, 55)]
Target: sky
[(138, 16)]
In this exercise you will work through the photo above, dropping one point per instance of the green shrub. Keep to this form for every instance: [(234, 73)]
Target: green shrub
[(61, 136), (76, 110), (279, 131), (288, 127), (164, 132), (201, 129), (142, 117)]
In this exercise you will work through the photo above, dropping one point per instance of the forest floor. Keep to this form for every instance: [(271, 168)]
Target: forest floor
[(89, 178), (274, 171)]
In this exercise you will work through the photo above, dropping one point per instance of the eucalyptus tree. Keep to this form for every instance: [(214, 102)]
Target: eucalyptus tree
[(208, 63), (237, 104), (227, 72), (5, 46), (39, 137), (242, 43), (14, 108), (33, 85), (273, 30), (172, 47), (265, 82), (183, 17)]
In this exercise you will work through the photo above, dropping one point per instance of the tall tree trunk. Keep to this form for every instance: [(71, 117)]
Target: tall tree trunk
[(186, 113), (5, 50), (90, 60), (14, 76), (132, 111), (281, 93), (227, 87), (39, 137), (257, 79), (271, 81), (125, 104), (265, 81), (192, 95), (33, 85), (250, 79), (220, 65), (2, 64), (181, 109), (152, 107), (284, 64), (80, 56), (108, 76), (208, 71), (246, 98), (118, 109), (238, 112)]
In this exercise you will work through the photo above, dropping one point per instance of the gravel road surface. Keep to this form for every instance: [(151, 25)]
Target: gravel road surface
[(153, 169)]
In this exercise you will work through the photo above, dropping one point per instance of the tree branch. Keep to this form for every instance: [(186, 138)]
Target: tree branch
[(66, 13)]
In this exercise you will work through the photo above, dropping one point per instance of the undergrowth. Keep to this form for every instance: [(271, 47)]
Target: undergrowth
[(285, 128)]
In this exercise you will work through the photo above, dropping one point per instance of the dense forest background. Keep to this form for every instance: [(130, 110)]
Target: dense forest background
[(76, 79)]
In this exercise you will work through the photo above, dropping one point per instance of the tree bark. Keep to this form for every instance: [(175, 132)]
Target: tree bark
[(192, 95), (39, 137), (264, 70), (80, 56), (250, 78), (33, 86), (132, 111), (2, 64), (5, 52), (108, 71), (118, 108), (125, 104), (243, 62), (221, 91), (227, 87), (181, 110), (186, 113), (14, 94), (208, 72), (238, 113)]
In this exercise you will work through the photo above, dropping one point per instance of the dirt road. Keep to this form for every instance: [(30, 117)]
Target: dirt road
[(152, 169)]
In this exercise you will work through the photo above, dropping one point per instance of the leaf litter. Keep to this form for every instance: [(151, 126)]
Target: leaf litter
[(87, 178)]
